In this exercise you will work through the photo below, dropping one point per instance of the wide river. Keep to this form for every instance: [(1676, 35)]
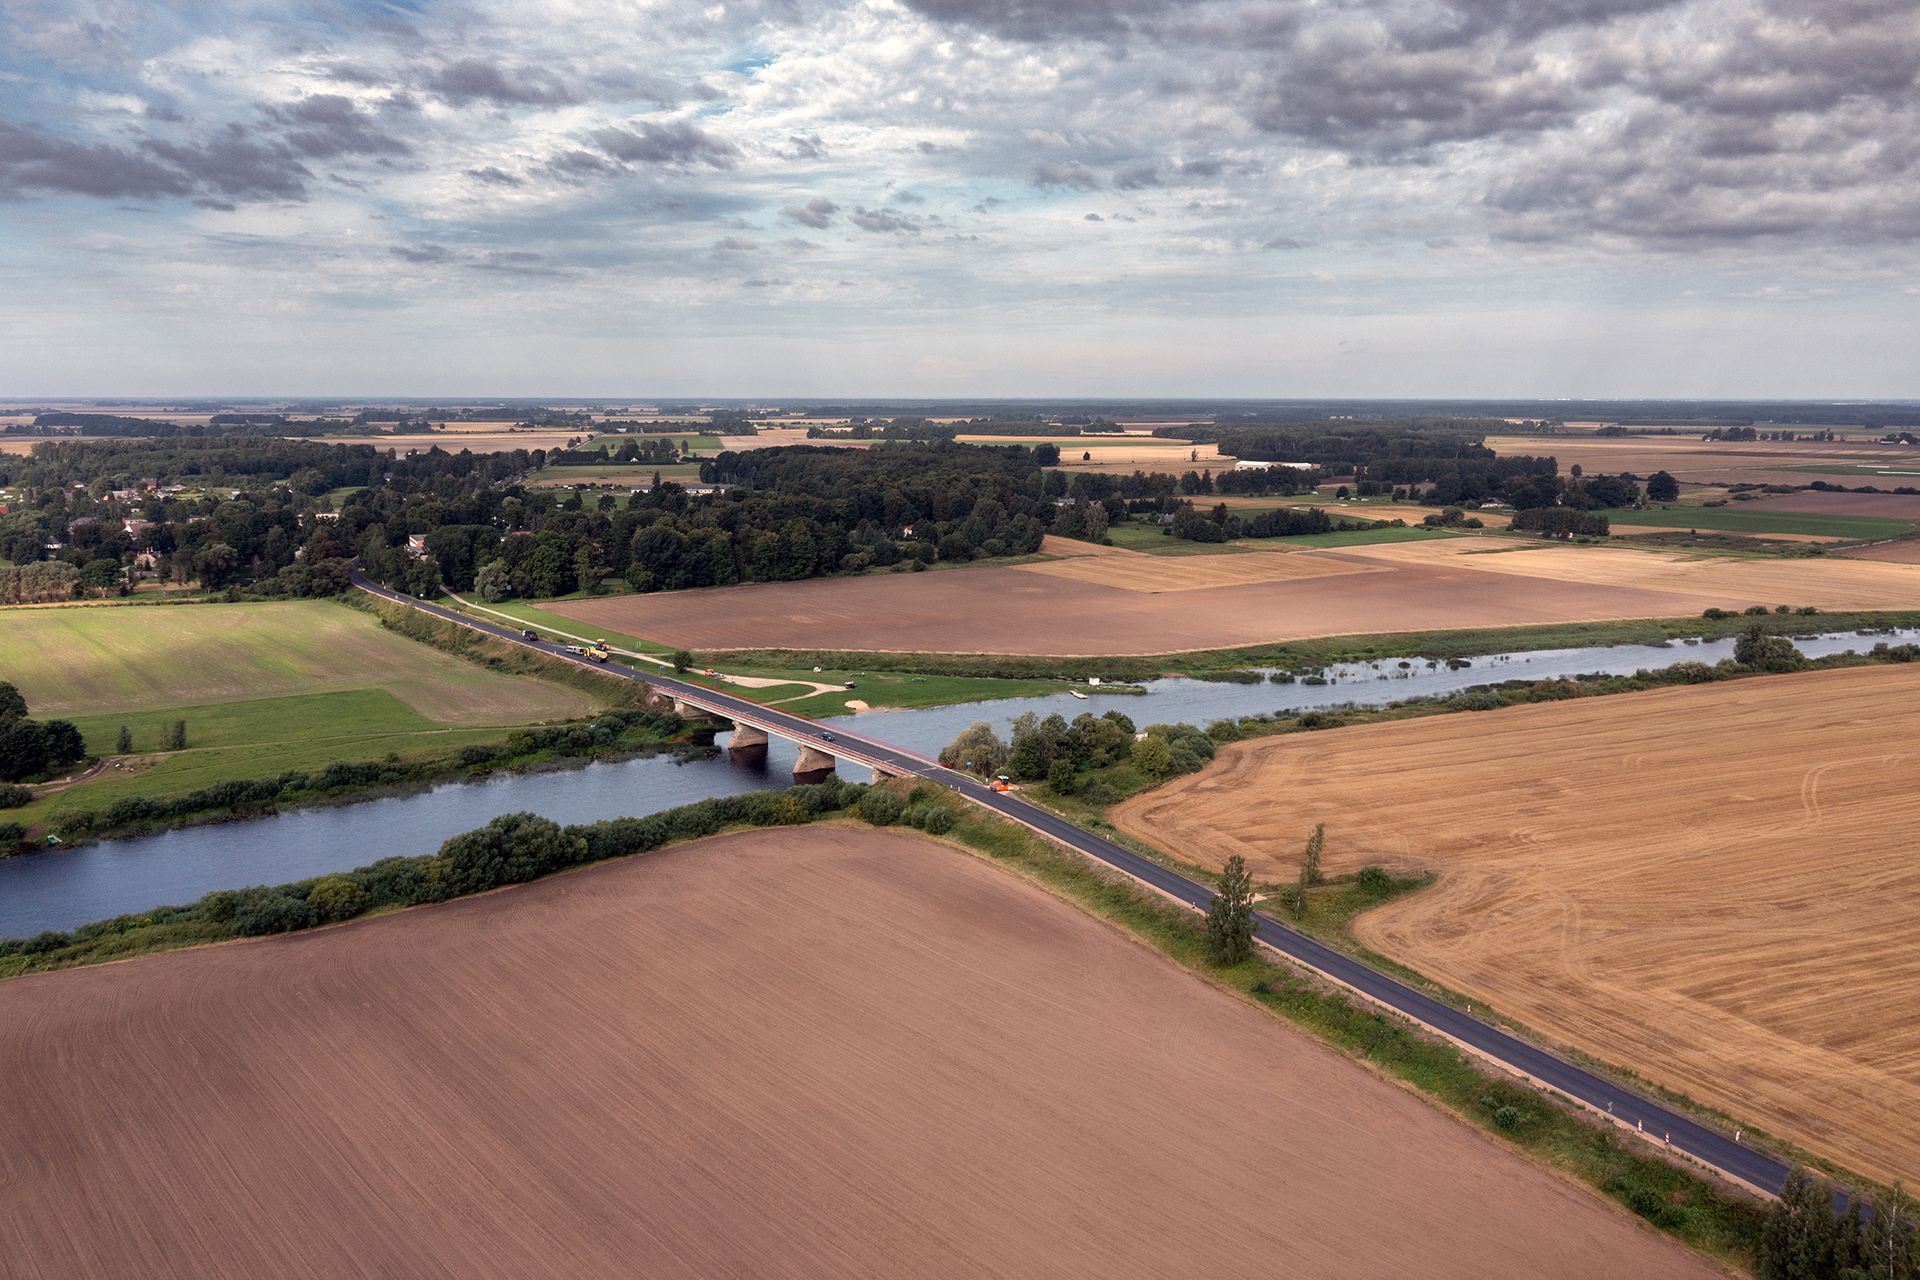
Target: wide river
[(59, 890)]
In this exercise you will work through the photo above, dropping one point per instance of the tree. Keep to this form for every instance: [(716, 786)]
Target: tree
[(12, 705), (1060, 776), (1310, 872), (682, 659), (1152, 756), (1662, 487), (1760, 649), (493, 582), (1230, 922), (123, 745), (1046, 455), (217, 563), (177, 736), (978, 748)]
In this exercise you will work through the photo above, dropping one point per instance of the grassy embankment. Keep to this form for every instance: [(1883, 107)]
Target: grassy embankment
[(1543, 1127), (229, 671)]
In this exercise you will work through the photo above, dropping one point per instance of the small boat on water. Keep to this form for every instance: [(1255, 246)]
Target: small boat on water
[(1076, 693)]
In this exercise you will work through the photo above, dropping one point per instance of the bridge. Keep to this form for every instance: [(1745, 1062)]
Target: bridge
[(1609, 1102)]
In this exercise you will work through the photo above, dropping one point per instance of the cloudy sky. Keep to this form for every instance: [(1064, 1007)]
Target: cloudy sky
[(960, 197)]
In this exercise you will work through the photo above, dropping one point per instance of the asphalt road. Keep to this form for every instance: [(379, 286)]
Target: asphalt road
[(1657, 1122)]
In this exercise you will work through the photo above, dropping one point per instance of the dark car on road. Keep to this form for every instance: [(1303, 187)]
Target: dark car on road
[(826, 737)]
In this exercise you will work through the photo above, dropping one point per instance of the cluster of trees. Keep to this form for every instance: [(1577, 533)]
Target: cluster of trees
[(34, 583), (1804, 1238), (1561, 522), (34, 748), (1057, 752), (887, 429), (632, 449)]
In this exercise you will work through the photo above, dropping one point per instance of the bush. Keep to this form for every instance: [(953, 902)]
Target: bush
[(46, 940), (1061, 777), (1224, 731), (939, 822), (12, 797), (1756, 611), (1152, 757), (476, 753), (77, 823), (1374, 881), (1509, 1118), (12, 834), (337, 898), (1477, 700), (880, 807), (1099, 791), (259, 911)]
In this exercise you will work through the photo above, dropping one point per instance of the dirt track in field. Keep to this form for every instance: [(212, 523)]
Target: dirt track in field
[(1717, 886), (798, 1053)]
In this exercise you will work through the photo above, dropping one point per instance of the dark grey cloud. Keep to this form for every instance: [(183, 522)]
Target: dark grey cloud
[(675, 142), (422, 253), (1135, 176), (351, 73), (1044, 19), (580, 164), (907, 197), (516, 262), (817, 213), (883, 220), (1202, 168), (804, 146), (325, 125), (473, 80), (1094, 217), (238, 164), (1065, 173), (32, 161), (495, 177)]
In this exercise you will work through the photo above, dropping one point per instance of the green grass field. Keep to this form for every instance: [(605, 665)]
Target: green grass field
[(105, 660), (1734, 519), (346, 714)]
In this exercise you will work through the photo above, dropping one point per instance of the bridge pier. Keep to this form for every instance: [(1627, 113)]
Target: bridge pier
[(748, 746), (813, 765)]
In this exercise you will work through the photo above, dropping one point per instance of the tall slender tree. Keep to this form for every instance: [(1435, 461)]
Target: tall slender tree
[(1230, 922)]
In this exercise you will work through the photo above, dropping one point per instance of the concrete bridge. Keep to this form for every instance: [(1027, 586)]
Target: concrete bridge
[(818, 754)]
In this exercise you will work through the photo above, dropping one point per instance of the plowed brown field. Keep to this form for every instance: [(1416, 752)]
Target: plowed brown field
[(1140, 572), (796, 1053), (1078, 607), (1718, 886)]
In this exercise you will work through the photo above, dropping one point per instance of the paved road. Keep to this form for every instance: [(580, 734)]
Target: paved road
[(1703, 1144)]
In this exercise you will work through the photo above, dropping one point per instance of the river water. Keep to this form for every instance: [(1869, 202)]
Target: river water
[(61, 889)]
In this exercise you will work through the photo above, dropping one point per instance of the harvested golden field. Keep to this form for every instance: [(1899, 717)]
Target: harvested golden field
[(1828, 584), (1717, 886), (1137, 571), (807, 1052)]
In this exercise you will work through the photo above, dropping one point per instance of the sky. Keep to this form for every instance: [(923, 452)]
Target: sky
[(930, 198)]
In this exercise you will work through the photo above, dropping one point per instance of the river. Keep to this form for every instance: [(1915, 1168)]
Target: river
[(59, 889)]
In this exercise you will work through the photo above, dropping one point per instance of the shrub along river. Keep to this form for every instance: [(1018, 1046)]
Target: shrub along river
[(60, 889)]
